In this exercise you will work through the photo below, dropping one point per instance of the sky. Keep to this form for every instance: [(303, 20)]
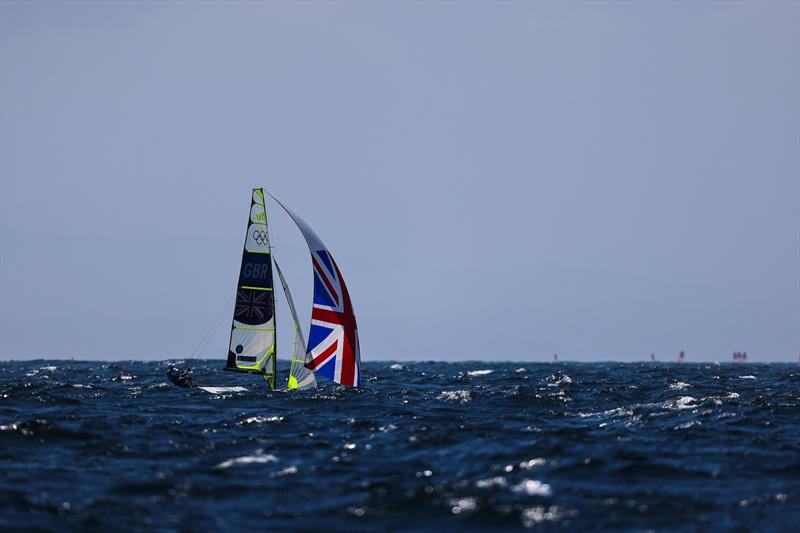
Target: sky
[(497, 181)]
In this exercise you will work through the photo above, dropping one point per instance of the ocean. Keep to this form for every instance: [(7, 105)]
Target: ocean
[(423, 446)]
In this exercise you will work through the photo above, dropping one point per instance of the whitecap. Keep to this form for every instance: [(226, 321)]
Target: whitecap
[(617, 411), (559, 380), (258, 457), (289, 470), (533, 463), (460, 505), (749, 376), (532, 487), (492, 482), (261, 419), (684, 402), (48, 368), (520, 369), (474, 373), (732, 396), (679, 385), (398, 366), (460, 396), (537, 515)]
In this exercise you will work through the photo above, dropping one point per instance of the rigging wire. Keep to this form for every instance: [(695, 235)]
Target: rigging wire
[(205, 339)]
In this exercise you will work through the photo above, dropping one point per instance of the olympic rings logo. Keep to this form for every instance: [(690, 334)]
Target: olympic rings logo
[(260, 236)]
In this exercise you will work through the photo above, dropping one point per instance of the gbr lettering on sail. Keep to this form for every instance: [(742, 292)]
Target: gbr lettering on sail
[(255, 270)]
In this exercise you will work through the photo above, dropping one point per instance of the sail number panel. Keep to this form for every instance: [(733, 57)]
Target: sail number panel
[(256, 270)]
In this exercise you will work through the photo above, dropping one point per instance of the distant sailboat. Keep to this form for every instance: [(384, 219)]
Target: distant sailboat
[(652, 357), (739, 357), (681, 357), (333, 348)]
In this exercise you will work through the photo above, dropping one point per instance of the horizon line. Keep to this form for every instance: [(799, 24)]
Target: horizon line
[(422, 360)]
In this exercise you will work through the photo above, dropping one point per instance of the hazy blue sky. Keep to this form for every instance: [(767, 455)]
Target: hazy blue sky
[(496, 181)]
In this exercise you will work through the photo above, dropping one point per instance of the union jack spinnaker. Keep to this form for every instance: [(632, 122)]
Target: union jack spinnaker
[(333, 348)]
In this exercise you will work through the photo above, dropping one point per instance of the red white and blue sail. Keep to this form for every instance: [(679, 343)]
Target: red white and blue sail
[(333, 349)]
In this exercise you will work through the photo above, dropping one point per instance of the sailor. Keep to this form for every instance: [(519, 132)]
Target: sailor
[(181, 378)]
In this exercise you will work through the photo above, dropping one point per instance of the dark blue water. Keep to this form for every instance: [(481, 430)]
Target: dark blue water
[(423, 446)]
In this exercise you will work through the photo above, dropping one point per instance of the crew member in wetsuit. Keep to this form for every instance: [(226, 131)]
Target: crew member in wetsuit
[(181, 378)]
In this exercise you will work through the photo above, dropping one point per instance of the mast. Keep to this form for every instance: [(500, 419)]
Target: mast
[(252, 341)]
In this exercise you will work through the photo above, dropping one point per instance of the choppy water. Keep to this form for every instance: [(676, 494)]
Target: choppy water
[(423, 446)]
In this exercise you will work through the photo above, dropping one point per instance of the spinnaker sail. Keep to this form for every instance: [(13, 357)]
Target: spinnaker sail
[(333, 348), (252, 341)]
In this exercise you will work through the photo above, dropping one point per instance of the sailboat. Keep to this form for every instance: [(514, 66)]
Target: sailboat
[(333, 348)]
